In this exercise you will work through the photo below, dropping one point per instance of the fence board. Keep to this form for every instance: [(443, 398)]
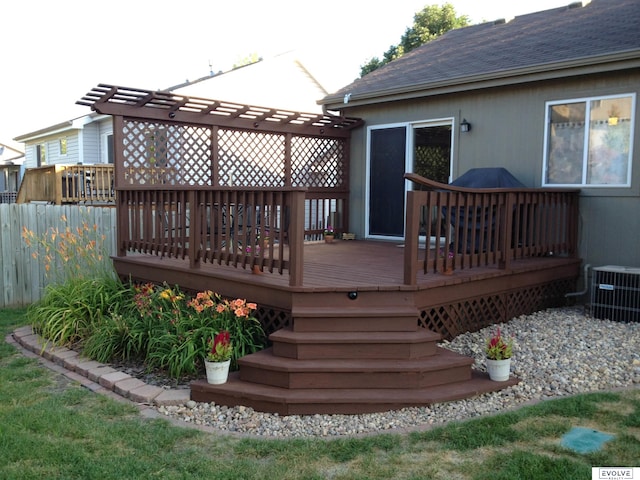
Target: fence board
[(24, 279)]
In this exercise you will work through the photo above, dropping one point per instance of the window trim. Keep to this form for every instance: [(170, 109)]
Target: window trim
[(587, 101), (63, 144)]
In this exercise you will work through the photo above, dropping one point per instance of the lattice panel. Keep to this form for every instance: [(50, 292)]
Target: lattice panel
[(251, 158), (164, 154), (471, 315), (539, 297), (318, 162), (272, 319)]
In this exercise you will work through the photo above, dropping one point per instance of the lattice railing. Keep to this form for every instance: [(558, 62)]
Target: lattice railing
[(162, 153)]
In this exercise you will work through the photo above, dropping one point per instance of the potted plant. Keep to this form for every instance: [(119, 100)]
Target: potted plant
[(499, 351), (219, 358), (329, 234), (446, 268)]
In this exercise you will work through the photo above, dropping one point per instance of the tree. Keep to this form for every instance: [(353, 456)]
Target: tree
[(428, 24)]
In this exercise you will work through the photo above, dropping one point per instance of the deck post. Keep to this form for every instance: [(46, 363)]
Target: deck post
[(296, 239), (195, 226), (506, 235), (412, 236)]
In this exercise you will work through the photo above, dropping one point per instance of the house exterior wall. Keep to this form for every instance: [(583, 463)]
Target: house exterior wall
[(508, 129), (52, 146), (84, 145)]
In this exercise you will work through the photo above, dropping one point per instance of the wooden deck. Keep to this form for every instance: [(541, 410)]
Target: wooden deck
[(354, 324)]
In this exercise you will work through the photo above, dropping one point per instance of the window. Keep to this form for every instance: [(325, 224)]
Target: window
[(63, 146), (41, 155), (588, 142)]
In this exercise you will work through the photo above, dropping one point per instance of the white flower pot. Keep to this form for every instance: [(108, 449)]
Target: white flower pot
[(499, 369), (217, 372)]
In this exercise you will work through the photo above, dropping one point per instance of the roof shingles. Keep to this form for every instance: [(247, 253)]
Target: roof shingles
[(602, 27)]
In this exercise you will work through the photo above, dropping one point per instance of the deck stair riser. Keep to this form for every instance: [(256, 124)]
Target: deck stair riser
[(344, 345), (444, 367), (356, 319)]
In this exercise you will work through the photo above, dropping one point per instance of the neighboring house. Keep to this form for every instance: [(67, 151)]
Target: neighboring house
[(11, 161), (85, 140), (551, 96), (281, 81)]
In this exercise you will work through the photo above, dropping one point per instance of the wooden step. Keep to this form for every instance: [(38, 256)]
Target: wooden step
[(265, 398), (392, 318), (342, 345), (443, 367)]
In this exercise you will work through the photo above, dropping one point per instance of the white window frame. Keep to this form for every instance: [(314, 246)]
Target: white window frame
[(585, 160), (409, 132), (63, 145)]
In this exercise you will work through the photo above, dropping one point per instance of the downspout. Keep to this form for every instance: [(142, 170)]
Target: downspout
[(586, 284)]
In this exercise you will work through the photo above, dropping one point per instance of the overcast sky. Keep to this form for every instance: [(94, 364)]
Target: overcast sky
[(53, 52)]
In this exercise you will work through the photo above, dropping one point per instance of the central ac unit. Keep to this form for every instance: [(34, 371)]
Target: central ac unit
[(615, 293)]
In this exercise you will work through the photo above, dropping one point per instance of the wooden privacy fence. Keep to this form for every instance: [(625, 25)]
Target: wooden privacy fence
[(24, 278), (464, 228)]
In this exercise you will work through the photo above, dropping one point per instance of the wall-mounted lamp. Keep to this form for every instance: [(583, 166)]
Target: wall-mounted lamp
[(465, 126)]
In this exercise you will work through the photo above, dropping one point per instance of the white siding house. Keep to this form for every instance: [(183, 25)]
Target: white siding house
[(83, 140)]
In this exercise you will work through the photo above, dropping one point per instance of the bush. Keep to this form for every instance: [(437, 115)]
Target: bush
[(157, 325), (68, 313)]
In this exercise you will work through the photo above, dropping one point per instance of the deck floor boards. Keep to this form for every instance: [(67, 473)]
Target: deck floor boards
[(353, 264)]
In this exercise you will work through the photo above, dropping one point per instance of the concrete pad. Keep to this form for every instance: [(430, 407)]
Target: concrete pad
[(60, 357), (84, 367), (72, 361), (50, 351), (95, 373), (23, 331), (145, 394), (173, 397), (110, 379), (32, 342), (123, 387)]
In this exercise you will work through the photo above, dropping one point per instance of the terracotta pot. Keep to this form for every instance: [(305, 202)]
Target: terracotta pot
[(328, 238), (256, 270)]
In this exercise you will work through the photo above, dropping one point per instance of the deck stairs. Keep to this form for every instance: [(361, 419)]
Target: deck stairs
[(337, 360)]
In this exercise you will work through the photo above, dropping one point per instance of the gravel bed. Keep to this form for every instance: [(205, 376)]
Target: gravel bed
[(557, 352)]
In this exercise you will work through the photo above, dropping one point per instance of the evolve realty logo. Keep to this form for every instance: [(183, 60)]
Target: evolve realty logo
[(612, 473)]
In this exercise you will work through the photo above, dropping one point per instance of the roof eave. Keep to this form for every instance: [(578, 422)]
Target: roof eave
[(549, 71), (75, 124)]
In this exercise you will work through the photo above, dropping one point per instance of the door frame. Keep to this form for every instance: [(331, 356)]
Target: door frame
[(409, 144)]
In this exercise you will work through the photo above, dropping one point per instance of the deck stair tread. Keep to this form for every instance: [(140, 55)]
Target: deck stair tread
[(264, 360), (374, 311), (346, 401), (287, 335)]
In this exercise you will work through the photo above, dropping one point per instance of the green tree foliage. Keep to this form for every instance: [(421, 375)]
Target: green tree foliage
[(428, 24)]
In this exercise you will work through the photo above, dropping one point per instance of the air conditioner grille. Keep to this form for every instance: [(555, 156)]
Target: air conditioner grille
[(615, 293)]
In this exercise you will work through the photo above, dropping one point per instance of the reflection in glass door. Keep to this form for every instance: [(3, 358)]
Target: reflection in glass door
[(432, 152)]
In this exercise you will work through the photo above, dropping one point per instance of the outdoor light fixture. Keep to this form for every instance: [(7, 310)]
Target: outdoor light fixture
[(465, 126)]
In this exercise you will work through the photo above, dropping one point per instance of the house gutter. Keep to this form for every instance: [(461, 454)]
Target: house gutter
[(549, 71), (75, 124)]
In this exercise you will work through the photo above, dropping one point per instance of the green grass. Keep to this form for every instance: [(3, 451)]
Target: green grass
[(52, 428)]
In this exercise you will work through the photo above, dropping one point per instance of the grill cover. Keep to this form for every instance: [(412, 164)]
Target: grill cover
[(477, 222)]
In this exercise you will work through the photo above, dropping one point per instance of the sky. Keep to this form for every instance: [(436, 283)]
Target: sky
[(53, 52)]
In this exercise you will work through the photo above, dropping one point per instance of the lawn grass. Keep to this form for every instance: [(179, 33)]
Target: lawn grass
[(52, 428)]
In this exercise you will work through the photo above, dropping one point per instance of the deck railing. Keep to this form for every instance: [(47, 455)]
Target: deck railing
[(64, 184), (247, 228), (450, 227)]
